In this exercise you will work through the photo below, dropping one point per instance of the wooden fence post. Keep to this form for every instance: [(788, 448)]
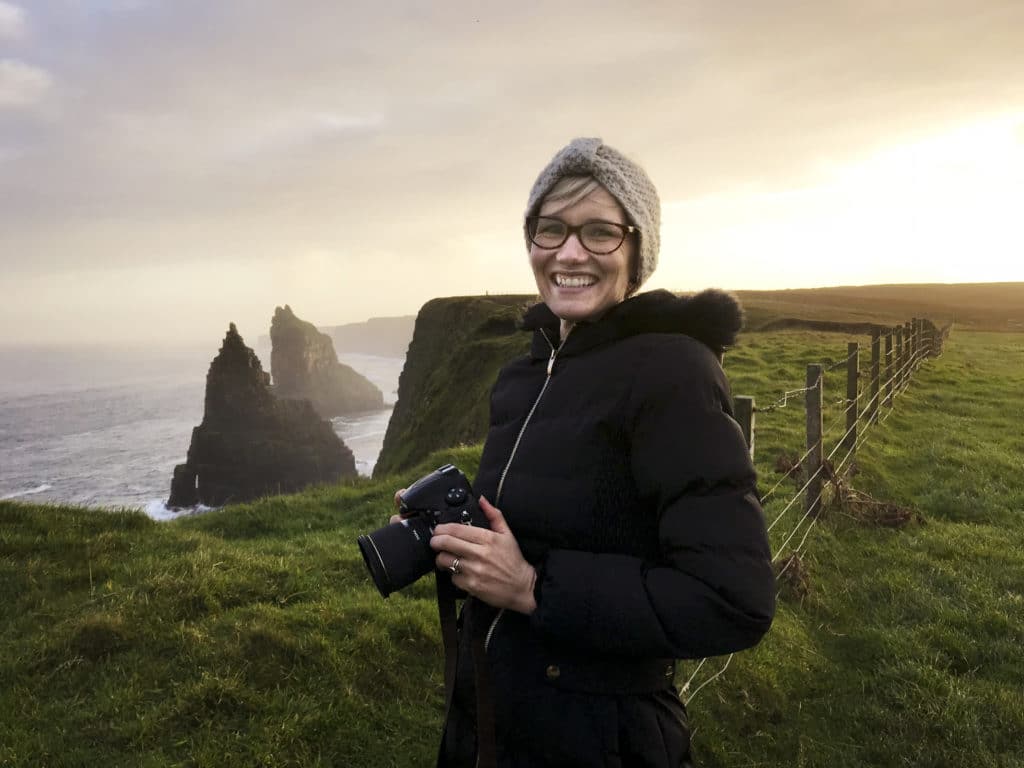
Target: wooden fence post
[(852, 404), (743, 407), (814, 449), (901, 359), (875, 376), (888, 368), (908, 329), (915, 342)]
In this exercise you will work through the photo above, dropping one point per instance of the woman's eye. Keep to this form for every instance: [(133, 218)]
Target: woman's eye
[(549, 227), (599, 231)]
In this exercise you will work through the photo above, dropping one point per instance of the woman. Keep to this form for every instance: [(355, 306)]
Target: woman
[(625, 527)]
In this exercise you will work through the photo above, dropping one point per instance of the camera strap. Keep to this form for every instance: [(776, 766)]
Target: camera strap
[(446, 595)]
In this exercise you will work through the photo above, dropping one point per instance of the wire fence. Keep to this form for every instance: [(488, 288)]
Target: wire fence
[(886, 378)]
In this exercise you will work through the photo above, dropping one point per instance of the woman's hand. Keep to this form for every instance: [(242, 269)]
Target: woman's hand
[(491, 566), (398, 505)]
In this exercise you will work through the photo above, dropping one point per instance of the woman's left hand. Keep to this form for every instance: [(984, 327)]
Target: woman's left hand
[(491, 566)]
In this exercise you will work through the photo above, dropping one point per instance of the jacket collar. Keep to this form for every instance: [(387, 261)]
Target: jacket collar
[(713, 317)]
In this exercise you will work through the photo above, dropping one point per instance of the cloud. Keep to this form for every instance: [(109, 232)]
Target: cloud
[(199, 131), (22, 84), (12, 21), (295, 130)]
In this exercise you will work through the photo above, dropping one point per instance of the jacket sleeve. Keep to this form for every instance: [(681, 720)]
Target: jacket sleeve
[(712, 591)]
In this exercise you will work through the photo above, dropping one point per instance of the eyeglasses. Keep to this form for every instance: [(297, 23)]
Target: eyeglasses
[(598, 237)]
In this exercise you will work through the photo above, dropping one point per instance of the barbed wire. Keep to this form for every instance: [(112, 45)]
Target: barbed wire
[(902, 379), (789, 472), (711, 679), (786, 396), (795, 498), (839, 363)]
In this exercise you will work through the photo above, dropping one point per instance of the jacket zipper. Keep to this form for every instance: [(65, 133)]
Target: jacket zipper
[(515, 447)]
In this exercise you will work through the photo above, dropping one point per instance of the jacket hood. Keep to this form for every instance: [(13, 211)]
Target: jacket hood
[(713, 317)]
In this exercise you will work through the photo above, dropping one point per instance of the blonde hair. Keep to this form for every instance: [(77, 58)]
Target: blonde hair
[(569, 190)]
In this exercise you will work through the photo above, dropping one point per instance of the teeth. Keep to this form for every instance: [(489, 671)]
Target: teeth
[(564, 281)]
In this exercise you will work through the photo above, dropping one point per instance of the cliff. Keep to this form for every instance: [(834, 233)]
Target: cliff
[(304, 365), (388, 336), (458, 347), (385, 336), (252, 444)]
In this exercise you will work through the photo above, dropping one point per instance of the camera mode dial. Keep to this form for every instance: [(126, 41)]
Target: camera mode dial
[(455, 497)]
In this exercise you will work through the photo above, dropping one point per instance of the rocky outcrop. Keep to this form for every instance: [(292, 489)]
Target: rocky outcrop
[(304, 365), (457, 349), (252, 444)]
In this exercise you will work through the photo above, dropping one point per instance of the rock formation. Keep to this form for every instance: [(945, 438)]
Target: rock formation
[(252, 444), (304, 365)]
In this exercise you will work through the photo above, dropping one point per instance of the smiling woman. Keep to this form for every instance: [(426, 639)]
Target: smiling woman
[(624, 527)]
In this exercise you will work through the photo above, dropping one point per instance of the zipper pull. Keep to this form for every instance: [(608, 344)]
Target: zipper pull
[(551, 360)]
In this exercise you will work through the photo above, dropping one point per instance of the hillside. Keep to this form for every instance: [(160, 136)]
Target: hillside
[(977, 306), (252, 636), (457, 349), (460, 344)]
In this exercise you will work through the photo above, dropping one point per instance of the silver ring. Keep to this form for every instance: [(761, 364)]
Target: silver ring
[(454, 567)]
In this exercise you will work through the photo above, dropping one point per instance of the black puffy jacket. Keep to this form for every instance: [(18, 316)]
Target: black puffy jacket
[(620, 470)]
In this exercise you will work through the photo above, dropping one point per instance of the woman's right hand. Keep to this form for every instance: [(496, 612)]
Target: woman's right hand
[(398, 505)]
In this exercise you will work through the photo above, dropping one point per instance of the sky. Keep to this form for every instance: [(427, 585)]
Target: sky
[(170, 166)]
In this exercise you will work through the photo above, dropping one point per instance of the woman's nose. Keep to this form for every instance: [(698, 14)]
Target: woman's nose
[(572, 249)]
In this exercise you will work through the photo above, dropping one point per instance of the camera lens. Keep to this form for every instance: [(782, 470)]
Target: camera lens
[(397, 554)]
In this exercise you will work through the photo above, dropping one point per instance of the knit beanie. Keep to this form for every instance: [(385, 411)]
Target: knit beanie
[(625, 180)]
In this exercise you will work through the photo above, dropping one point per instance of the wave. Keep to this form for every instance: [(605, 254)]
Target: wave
[(30, 492), (158, 510)]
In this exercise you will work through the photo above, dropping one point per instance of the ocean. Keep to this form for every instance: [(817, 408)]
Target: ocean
[(105, 426)]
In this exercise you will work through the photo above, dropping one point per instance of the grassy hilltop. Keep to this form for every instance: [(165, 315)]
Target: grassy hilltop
[(974, 306), (252, 636)]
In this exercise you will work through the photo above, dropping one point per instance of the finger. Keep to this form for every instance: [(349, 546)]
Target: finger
[(494, 517), (456, 547), (398, 498), (464, 532), (395, 519), (445, 560)]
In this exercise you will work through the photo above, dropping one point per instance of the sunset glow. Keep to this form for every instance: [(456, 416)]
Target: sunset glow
[(945, 208)]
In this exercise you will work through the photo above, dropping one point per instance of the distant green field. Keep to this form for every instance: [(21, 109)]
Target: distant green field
[(251, 636), (969, 306)]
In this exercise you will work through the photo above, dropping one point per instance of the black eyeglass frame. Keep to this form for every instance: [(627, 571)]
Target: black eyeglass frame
[(531, 229)]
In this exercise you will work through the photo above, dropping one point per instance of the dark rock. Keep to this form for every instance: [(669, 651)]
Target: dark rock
[(250, 443), (304, 365)]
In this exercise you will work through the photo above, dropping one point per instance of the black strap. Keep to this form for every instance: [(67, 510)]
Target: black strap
[(486, 756), (449, 634), (446, 594)]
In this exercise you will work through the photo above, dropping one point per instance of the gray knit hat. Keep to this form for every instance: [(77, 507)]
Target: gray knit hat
[(625, 180)]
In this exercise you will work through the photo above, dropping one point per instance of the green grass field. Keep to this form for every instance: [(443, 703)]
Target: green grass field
[(251, 636)]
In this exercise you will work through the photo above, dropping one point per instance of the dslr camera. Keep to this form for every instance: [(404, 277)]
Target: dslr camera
[(398, 554)]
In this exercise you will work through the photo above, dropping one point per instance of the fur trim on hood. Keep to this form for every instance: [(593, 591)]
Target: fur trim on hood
[(713, 317)]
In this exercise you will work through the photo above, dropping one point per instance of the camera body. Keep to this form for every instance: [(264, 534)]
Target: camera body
[(398, 554)]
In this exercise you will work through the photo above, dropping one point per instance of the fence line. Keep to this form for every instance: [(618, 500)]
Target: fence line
[(906, 348)]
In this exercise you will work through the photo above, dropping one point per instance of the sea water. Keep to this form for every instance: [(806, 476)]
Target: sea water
[(105, 426)]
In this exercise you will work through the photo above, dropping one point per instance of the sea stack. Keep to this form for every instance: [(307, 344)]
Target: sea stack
[(250, 443), (304, 365)]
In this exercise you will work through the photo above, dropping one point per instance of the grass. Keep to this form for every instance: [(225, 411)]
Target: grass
[(252, 635)]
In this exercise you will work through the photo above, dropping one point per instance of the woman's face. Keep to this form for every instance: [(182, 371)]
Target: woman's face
[(575, 283)]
